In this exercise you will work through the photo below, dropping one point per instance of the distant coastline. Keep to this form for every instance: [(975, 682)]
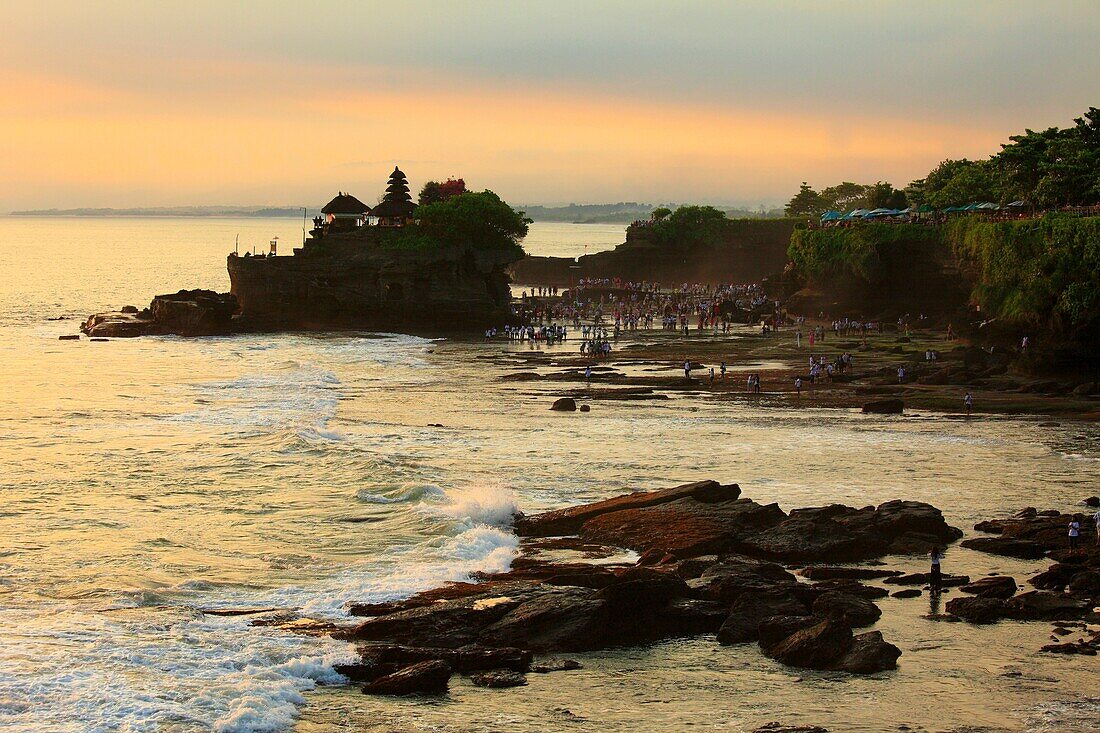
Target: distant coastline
[(622, 213), (177, 211)]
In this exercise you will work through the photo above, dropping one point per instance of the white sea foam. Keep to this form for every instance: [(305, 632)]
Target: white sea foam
[(488, 504), (144, 671)]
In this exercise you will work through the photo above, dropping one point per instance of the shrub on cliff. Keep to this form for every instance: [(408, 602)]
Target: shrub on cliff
[(855, 255), (690, 226), (477, 220), (1041, 272)]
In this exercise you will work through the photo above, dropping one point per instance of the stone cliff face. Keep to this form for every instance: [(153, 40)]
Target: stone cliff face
[(351, 281), (186, 313), (748, 251)]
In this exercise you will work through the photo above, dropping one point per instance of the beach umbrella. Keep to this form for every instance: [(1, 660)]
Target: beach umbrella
[(971, 207), (877, 212), (989, 206), (855, 213), (908, 210), (925, 209), (1016, 204), (831, 215)]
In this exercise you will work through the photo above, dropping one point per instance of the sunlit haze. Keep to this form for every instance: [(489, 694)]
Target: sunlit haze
[(137, 104)]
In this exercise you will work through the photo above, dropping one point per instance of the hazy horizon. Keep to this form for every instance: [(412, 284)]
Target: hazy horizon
[(123, 105)]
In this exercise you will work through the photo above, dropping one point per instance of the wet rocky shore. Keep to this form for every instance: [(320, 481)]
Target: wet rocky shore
[(705, 561)]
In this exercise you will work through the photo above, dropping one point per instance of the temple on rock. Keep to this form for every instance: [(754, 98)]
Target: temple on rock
[(396, 208), (345, 213)]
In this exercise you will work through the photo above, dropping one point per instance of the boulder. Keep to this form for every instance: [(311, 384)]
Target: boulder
[(777, 727), (851, 587), (691, 616), (831, 572), (1023, 549), (849, 609), (569, 521), (498, 679), (907, 593), (775, 629), (69, 337), (946, 581), (430, 678), (569, 619), (472, 658), (586, 408), (556, 665), (995, 586), (977, 610), (884, 407), (1086, 583), (564, 404), (815, 647), (1092, 501), (869, 653)]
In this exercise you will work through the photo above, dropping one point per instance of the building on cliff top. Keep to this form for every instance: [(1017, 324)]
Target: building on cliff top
[(344, 213), (396, 208)]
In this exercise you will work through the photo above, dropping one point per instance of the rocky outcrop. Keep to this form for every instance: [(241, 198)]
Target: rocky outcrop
[(186, 313), (749, 250), (355, 280), (704, 570), (706, 518), (429, 678)]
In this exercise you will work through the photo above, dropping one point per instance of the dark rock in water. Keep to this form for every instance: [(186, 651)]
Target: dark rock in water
[(556, 665), (851, 587), (739, 629), (830, 572), (1023, 549), (1086, 583), (429, 678), (566, 620), (884, 407), (851, 610), (364, 672), (977, 610), (472, 658), (69, 337), (946, 581), (129, 309), (498, 679), (691, 617), (777, 727), (816, 647), (564, 404), (570, 520), (995, 586), (869, 653), (907, 593), (1070, 648), (1032, 606), (775, 629), (1093, 501), (586, 408), (187, 313)]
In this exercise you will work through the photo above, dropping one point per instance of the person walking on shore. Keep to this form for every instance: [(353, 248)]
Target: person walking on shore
[(687, 370), (935, 577), (1074, 531), (798, 392), (723, 370), (588, 376), (968, 401)]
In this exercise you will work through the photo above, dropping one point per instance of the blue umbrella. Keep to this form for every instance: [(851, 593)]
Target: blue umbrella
[(831, 215)]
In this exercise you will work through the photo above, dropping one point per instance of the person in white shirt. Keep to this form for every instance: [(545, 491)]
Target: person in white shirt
[(1074, 531)]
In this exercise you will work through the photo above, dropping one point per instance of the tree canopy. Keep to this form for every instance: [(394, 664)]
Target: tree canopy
[(844, 197), (434, 191), (478, 220)]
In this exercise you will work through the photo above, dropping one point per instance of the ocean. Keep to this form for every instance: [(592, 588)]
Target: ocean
[(142, 481)]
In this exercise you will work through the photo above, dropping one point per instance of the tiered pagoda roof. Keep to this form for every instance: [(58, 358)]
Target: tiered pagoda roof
[(397, 203)]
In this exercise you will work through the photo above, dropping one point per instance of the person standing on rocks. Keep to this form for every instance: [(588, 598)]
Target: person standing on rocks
[(968, 400), (936, 579), (798, 391), (1074, 531), (588, 376), (687, 370)]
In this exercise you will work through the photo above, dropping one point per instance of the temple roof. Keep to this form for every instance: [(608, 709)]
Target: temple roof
[(392, 208), (345, 203)]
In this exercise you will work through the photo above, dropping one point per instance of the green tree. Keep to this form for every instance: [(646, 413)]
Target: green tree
[(691, 226), (478, 220), (961, 182), (845, 196), (806, 203), (661, 212), (883, 195), (431, 193)]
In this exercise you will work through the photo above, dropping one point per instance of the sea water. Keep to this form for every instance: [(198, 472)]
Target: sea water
[(142, 481)]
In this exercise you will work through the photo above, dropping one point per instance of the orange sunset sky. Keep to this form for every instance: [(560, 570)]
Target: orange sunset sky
[(161, 103)]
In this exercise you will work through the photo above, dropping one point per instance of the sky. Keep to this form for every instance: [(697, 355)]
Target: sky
[(134, 103)]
